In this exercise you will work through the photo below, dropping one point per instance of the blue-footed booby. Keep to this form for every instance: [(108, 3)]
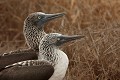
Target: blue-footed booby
[(52, 62), (33, 32), (34, 27)]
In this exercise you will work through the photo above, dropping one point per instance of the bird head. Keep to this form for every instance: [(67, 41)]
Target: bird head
[(57, 39), (38, 19)]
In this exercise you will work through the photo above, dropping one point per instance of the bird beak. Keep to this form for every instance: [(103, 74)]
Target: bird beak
[(49, 17), (64, 39)]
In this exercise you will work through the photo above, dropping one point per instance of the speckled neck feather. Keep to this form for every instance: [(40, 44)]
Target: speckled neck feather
[(32, 35)]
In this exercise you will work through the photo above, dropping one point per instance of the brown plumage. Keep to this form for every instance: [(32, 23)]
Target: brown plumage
[(28, 72), (17, 56)]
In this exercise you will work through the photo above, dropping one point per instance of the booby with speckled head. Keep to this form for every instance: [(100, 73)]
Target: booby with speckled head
[(52, 62)]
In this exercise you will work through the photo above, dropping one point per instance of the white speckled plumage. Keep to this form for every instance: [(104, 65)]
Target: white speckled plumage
[(54, 55), (61, 66), (31, 31)]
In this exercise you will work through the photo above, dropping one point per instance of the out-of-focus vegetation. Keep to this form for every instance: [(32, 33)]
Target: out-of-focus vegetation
[(97, 57)]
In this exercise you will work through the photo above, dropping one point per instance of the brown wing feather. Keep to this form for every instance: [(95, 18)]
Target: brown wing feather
[(41, 70), (17, 56)]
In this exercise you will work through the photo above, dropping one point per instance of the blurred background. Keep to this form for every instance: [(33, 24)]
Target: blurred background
[(97, 57)]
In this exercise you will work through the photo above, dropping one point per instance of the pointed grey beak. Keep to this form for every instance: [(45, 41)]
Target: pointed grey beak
[(64, 39), (48, 17)]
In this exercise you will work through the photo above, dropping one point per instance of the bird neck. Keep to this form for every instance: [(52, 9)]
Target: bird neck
[(57, 58), (50, 53), (33, 35)]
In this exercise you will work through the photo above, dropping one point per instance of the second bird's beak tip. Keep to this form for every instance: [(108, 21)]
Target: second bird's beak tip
[(79, 36), (62, 13)]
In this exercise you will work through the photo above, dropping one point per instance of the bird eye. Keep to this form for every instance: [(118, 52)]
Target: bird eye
[(39, 17), (58, 39)]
